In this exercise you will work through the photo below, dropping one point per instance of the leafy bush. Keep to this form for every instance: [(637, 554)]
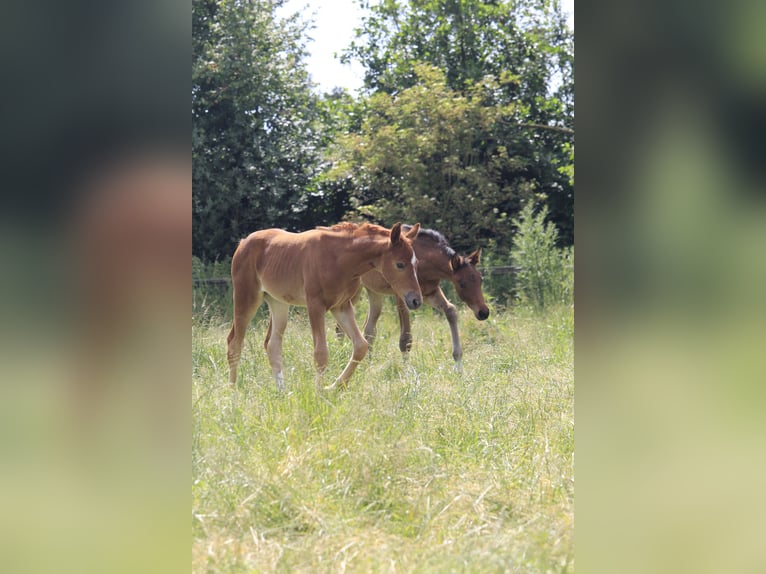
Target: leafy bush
[(545, 274)]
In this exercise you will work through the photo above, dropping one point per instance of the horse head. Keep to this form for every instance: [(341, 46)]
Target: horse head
[(398, 265), (467, 281)]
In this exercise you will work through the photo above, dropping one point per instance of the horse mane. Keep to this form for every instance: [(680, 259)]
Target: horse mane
[(434, 236)]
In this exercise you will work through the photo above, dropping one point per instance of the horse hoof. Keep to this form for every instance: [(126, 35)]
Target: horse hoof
[(336, 386)]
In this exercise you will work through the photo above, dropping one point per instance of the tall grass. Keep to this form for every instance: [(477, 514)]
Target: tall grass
[(415, 468), (209, 301)]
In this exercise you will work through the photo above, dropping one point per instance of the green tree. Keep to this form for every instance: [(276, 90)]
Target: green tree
[(431, 154), (528, 41), (327, 199), (254, 136), (525, 48)]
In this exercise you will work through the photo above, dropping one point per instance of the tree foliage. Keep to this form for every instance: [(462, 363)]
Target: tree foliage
[(528, 42), (253, 122), (467, 114), (523, 49), (432, 155)]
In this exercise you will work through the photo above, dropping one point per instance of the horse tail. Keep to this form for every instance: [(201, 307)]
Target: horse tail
[(247, 298)]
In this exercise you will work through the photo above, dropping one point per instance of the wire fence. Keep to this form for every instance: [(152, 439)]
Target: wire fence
[(486, 271)]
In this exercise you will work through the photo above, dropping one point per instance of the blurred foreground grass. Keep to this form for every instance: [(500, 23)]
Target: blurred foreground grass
[(671, 229)]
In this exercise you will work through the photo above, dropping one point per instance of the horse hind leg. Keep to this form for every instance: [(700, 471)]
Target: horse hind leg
[(321, 352), (273, 344), (247, 299)]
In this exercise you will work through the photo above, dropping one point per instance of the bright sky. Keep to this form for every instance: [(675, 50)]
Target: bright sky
[(335, 21)]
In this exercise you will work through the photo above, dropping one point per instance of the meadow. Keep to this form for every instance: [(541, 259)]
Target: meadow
[(414, 468)]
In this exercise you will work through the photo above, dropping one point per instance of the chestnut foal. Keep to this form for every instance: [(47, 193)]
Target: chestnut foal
[(319, 269)]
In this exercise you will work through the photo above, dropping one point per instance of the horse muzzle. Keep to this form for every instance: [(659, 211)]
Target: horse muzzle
[(412, 300), (482, 314)]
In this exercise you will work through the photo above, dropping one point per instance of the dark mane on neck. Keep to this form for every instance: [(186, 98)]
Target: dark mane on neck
[(433, 236)]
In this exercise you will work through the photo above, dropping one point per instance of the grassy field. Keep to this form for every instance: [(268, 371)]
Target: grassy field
[(415, 468)]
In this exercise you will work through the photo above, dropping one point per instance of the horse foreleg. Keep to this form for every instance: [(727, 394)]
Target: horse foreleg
[(339, 333), (247, 299), (277, 322), (437, 300), (316, 319), (344, 315), (376, 306), (405, 329)]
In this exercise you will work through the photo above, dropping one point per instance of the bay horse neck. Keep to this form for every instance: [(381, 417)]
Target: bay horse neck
[(434, 255)]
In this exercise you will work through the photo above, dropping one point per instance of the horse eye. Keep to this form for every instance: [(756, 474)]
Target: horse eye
[(400, 265), (462, 284)]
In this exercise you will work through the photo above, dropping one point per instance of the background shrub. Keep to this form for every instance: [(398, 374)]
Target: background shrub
[(545, 275)]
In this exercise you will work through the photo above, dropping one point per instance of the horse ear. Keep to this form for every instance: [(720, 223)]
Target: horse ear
[(413, 232), (474, 257), (396, 233), (456, 262)]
